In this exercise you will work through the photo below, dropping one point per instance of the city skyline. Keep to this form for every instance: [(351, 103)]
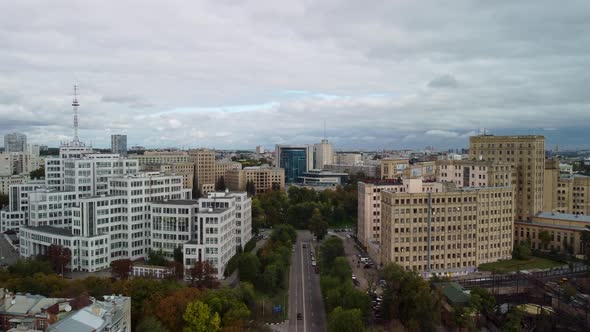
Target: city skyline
[(390, 76)]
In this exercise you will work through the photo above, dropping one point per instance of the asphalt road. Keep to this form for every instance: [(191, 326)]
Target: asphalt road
[(305, 296)]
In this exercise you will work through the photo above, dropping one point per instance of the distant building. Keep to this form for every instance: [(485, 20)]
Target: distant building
[(15, 142), (347, 158), (370, 171), (119, 144), (8, 180), (264, 178), (393, 168), (295, 160), (323, 154), (323, 178), (568, 194), (260, 149)]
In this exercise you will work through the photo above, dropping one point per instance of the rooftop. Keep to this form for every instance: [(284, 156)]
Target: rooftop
[(177, 202), (453, 292), (51, 230), (564, 216)]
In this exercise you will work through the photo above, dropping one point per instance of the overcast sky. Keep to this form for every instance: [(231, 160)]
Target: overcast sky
[(236, 74)]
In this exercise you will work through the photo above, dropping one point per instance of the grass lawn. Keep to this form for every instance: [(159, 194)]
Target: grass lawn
[(515, 264)]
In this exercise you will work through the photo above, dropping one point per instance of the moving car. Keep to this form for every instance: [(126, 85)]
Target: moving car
[(299, 316)]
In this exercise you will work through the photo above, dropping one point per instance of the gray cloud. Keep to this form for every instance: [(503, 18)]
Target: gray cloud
[(222, 73)]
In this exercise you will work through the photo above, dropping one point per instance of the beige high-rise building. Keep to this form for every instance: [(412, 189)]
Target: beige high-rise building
[(323, 154), (446, 233), (347, 158), (475, 173), (221, 167), (162, 157), (527, 154), (265, 178), (563, 193), (187, 170), (205, 169)]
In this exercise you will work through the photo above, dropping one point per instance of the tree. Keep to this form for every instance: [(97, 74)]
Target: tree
[(522, 251), (59, 257), (178, 255), (121, 268), (482, 300), (258, 220), (341, 269), (3, 200), (38, 173), (513, 321), (251, 188), (220, 184), (545, 238), (318, 226), (202, 275), (157, 258), (199, 318), (150, 324), (249, 267), (345, 320), (165, 307), (331, 248), (28, 268)]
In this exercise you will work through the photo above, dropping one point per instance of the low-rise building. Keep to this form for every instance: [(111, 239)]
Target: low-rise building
[(565, 232), (112, 314), (323, 178), (264, 178), (369, 171), (8, 180)]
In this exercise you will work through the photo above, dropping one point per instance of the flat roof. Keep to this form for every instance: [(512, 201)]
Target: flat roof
[(563, 216), (177, 202), (51, 230)]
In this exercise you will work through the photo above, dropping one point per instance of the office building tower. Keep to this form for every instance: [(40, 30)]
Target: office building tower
[(15, 142), (347, 158), (205, 170), (323, 154), (260, 149), (295, 160), (527, 155), (119, 145)]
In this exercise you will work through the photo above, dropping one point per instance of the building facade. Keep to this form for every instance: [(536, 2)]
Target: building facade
[(295, 160), (323, 154), (119, 145), (264, 179), (15, 142), (446, 233), (347, 158), (527, 155)]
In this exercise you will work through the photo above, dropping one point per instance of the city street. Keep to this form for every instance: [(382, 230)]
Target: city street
[(10, 256), (305, 297)]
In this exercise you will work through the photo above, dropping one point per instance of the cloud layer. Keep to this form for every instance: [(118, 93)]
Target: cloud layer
[(385, 74)]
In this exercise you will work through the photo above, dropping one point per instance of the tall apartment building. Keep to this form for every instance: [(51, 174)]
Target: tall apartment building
[(446, 233), (17, 213), (323, 154), (8, 180), (15, 142), (295, 160), (205, 169), (19, 163), (265, 178), (527, 154), (187, 170), (475, 173), (223, 166), (119, 145)]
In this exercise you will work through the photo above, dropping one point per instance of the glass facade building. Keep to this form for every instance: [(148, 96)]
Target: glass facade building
[(294, 161)]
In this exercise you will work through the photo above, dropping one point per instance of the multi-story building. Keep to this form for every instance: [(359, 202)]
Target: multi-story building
[(205, 169), (163, 157), (450, 232), (347, 158), (17, 214), (323, 178), (15, 142), (112, 314), (323, 154), (260, 149), (264, 178), (393, 168), (173, 223), (562, 193), (369, 171), (119, 145), (187, 170), (19, 163), (527, 154), (223, 166), (475, 173), (295, 160), (565, 232), (8, 180)]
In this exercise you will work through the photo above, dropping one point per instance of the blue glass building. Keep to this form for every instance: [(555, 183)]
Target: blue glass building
[(295, 160)]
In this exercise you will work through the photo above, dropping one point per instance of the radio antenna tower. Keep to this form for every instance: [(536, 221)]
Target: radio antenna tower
[(75, 105)]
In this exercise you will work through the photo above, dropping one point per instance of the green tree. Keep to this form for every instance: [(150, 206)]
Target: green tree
[(318, 226), (157, 258), (341, 269), (121, 268), (249, 267), (482, 300), (178, 255), (545, 238), (38, 173), (150, 324), (199, 318), (258, 220), (513, 321), (522, 251), (331, 248), (341, 320)]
